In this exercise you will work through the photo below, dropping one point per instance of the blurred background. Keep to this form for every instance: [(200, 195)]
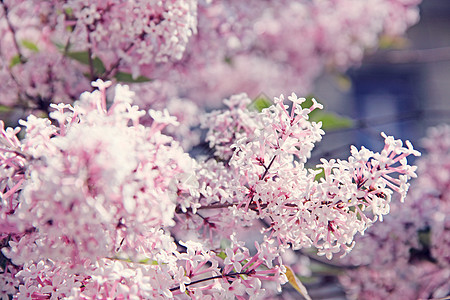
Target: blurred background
[(401, 91)]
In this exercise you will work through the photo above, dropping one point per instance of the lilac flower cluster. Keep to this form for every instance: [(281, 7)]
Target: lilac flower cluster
[(191, 45), (97, 205), (285, 45), (407, 255), (272, 183), (137, 32)]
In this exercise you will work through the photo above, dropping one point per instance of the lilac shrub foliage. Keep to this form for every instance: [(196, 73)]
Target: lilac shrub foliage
[(91, 204)]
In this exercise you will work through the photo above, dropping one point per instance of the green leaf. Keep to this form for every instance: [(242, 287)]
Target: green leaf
[(228, 60), (127, 77), (319, 175), (425, 237), (320, 269), (59, 46), (331, 121), (83, 57), (222, 255), (308, 102), (224, 244), (30, 45), (68, 11), (14, 61), (296, 283), (260, 102), (4, 108)]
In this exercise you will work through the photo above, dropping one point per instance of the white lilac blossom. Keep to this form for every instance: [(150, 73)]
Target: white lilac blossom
[(97, 205), (271, 182), (407, 255), (187, 113)]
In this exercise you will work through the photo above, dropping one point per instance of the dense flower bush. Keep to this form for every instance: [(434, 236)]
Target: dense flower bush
[(91, 204), (105, 199)]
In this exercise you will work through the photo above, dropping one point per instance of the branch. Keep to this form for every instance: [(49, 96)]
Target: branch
[(13, 31), (114, 67), (216, 277), (268, 167), (91, 62)]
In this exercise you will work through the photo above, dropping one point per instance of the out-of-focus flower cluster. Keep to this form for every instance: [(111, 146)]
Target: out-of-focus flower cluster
[(285, 45), (138, 32), (408, 254), (96, 204), (51, 50)]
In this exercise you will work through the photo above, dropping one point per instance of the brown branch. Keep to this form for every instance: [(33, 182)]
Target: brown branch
[(215, 277), (91, 62), (13, 31), (114, 67), (268, 167)]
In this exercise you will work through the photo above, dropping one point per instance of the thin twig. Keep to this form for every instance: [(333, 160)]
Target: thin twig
[(114, 67), (13, 31), (215, 277)]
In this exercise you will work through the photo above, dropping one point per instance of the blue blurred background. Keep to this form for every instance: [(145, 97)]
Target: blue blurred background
[(399, 91)]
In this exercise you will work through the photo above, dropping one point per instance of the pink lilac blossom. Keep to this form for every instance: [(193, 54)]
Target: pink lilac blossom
[(194, 218), (8, 282), (187, 113), (298, 40), (268, 46), (33, 71), (110, 172), (93, 201), (88, 203), (39, 37), (435, 186), (260, 151), (135, 34), (408, 253), (162, 278)]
